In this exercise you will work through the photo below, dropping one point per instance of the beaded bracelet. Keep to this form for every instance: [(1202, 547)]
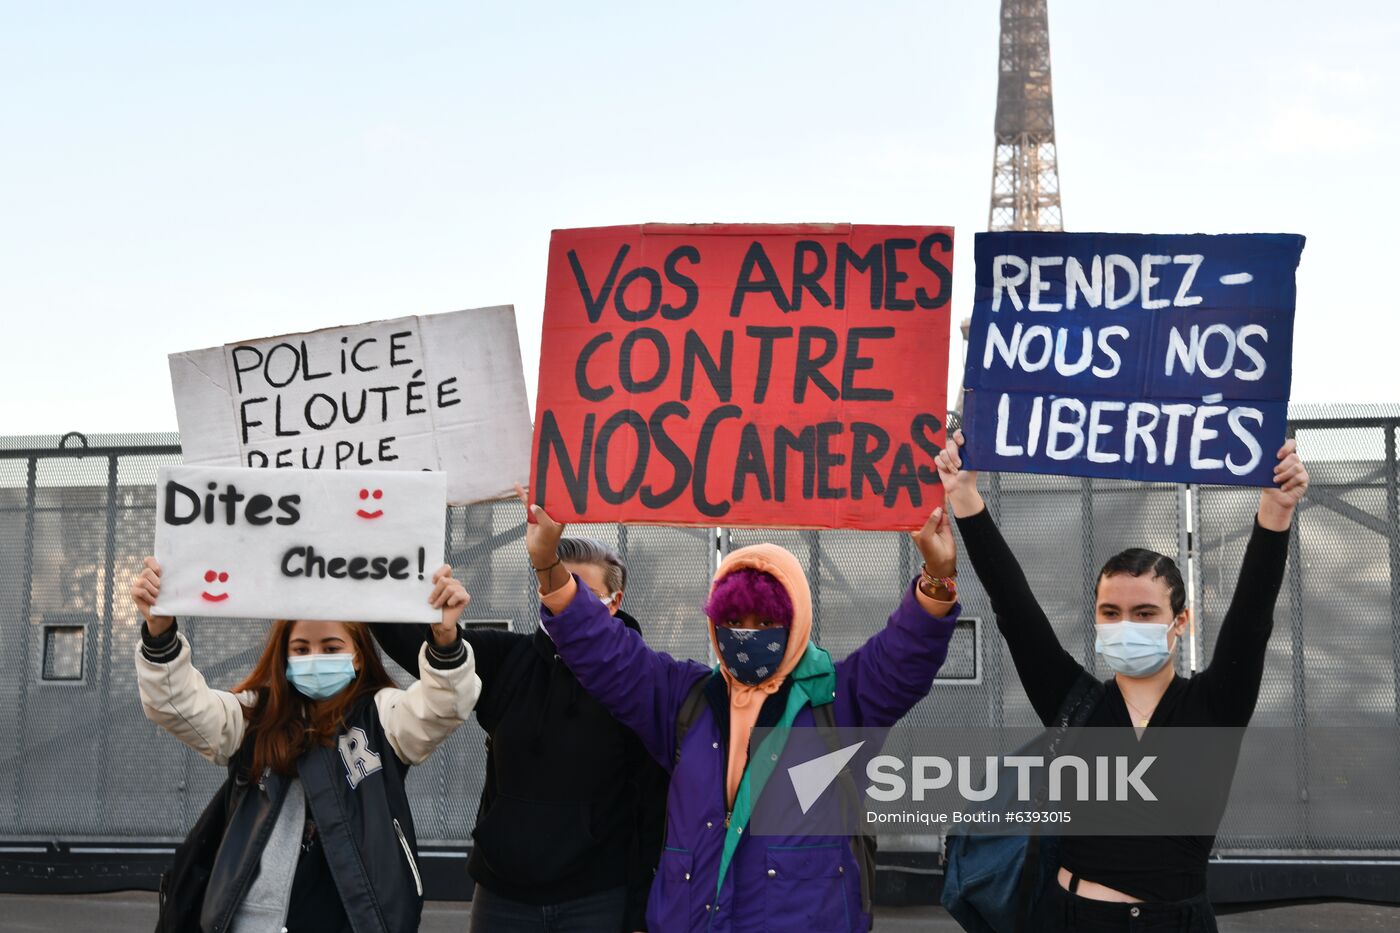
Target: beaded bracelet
[(929, 584)]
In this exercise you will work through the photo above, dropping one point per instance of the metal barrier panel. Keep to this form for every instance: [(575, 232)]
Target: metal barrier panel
[(79, 761), (1333, 658)]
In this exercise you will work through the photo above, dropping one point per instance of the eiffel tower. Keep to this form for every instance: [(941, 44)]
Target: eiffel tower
[(1025, 181)]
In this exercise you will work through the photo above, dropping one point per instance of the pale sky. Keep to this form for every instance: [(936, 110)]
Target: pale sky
[(178, 175)]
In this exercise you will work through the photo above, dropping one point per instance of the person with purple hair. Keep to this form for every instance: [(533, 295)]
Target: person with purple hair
[(713, 875)]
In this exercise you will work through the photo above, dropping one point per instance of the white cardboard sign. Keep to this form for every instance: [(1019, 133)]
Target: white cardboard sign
[(299, 544), (436, 392)]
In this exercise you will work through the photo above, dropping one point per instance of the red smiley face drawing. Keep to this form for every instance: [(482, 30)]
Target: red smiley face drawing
[(365, 494), (211, 576)]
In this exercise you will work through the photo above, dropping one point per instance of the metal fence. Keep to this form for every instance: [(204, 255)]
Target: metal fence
[(78, 760)]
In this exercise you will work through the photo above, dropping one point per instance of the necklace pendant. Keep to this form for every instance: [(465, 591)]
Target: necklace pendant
[(1143, 724)]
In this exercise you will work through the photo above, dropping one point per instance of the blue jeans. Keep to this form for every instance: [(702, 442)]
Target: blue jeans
[(594, 913)]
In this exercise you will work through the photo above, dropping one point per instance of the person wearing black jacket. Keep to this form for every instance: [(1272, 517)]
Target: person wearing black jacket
[(572, 810), (1136, 882), (313, 832)]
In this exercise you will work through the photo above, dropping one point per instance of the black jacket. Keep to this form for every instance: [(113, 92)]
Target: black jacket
[(354, 796), (366, 833), (572, 804)]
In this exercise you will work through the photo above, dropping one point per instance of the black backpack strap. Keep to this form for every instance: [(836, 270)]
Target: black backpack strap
[(1081, 700), (690, 711), (863, 843), (691, 706), (239, 777)]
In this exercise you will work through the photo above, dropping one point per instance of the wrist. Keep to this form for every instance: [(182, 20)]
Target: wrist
[(966, 502), (552, 578), (1275, 517), (159, 631), (162, 647), (940, 587), (447, 657), (936, 568)]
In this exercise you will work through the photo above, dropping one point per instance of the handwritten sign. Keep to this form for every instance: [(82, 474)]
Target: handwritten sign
[(438, 392), (299, 544), (1147, 357), (751, 375)]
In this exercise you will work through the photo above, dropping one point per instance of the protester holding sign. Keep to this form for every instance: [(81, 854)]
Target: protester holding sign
[(712, 877), (313, 826), (582, 853), (1114, 883)]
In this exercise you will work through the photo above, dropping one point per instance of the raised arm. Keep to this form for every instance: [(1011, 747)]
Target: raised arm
[(174, 695), (1046, 669), (1236, 667), (418, 719), (644, 689), (403, 644), (882, 679)]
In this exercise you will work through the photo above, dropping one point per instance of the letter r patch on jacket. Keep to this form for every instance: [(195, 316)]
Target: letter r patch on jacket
[(360, 761)]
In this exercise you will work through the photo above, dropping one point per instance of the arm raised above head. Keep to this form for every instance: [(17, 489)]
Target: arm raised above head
[(882, 679), (420, 718), (175, 696), (892, 671), (643, 688), (1236, 668)]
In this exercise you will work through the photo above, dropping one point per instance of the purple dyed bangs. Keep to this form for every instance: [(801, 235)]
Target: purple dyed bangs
[(748, 590)]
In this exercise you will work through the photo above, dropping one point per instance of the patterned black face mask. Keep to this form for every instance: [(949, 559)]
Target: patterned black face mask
[(751, 655)]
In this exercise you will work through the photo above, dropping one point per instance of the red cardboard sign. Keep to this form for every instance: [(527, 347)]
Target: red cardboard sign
[(759, 375)]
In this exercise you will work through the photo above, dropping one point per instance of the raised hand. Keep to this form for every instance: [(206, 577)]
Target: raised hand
[(452, 598), (542, 535), (145, 590), (1278, 502), (959, 485), (936, 544)]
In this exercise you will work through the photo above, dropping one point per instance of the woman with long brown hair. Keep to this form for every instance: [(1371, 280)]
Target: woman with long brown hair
[(316, 827)]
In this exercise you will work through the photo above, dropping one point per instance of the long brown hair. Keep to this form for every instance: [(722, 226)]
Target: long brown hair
[(283, 722)]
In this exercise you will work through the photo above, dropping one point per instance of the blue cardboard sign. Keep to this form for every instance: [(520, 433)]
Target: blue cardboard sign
[(1155, 357)]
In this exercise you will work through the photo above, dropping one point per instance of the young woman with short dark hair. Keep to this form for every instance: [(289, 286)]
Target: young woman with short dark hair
[(1117, 883)]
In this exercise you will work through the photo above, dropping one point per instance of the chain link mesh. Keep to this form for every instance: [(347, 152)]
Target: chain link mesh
[(79, 761)]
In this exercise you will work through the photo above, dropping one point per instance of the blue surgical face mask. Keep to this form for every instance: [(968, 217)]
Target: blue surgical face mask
[(320, 676), (1133, 649), (751, 655)]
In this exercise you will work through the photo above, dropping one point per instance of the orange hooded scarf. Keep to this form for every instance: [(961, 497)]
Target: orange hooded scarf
[(745, 701)]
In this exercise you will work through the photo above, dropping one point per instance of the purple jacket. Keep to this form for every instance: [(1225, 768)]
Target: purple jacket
[(809, 884)]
